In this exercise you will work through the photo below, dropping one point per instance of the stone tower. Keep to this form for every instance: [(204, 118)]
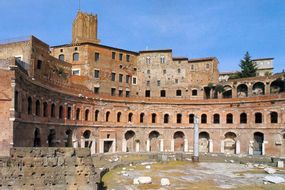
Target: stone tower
[(84, 28)]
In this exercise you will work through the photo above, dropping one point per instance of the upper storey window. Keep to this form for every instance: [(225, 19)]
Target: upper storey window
[(128, 58), (192, 67), (162, 59), (75, 56), (76, 72), (39, 64), (147, 60), (207, 66), (121, 56), (97, 56), (113, 76), (113, 55), (61, 57)]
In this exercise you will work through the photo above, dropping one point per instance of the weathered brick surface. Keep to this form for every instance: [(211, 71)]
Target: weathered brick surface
[(41, 168)]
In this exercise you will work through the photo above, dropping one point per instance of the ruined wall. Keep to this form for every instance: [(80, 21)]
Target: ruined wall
[(52, 168)]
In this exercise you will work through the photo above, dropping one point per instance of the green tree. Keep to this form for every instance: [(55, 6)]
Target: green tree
[(248, 67)]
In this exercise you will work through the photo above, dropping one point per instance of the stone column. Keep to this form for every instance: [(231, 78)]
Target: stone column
[(263, 147), (161, 145), (237, 147), (101, 146), (222, 146), (93, 147), (185, 145), (114, 146), (172, 145), (196, 140), (211, 145), (124, 145), (148, 145), (137, 146), (82, 143), (250, 148)]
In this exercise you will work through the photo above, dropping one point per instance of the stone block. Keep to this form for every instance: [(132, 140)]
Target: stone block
[(82, 152)]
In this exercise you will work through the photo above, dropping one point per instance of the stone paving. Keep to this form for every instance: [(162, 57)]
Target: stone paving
[(187, 176)]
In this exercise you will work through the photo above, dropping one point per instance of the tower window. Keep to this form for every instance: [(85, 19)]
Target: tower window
[(113, 76), (61, 57), (178, 93), (162, 59), (121, 56), (113, 91), (147, 93), (113, 55), (97, 56), (162, 93), (128, 58), (39, 64), (194, 92), (96, 74)]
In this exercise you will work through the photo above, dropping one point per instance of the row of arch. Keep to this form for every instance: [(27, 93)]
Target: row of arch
[(243, 118), (242, 90)]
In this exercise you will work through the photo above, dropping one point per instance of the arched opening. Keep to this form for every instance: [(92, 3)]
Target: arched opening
[(258, 89), (52, 138), (243, 118), (179, 141), (227, 92), (166, 118), (30, 106), (153, 118), (60, 112), (119, 117), (86, 115), (69, 112), (277, 86), (207, 92), (154, 141), (130, 141), (274, 117), (68, 138), (38, 108), (242, 91), (96, 115), (75, 56), (179, 118), (229, 118), (45, 109), (61, 57), (191, 118), (258, 117), (86, 136), (107, 116), (52, 110), (77, 115), (203, 118), (216, 118), (258, 143), (230, 143), (141, 117), (204, 142), (37, 138), (130, 117)]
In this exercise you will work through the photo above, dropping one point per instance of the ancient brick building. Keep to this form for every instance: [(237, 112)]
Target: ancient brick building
[(114, 100)]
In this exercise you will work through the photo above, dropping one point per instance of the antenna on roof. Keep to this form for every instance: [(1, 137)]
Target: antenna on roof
[(79, 1)]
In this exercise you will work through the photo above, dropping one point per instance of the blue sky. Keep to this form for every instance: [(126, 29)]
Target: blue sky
[(192, 28)]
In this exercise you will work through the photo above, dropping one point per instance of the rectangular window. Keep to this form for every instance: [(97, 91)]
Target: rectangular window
[(128, 58), (120, 77), (148, 83), (147, 93), (162, 93), (176, 81), (113, 55), (158, 83), (147, 60), (76, 72), (134, 80), (162, 59), (113, 76), (97, 56), (164, 71), (121, 93), (127, 78), (148, 71), (39, 64), (69, 113), (178, 93), (96, 74), (127, 93), (113, 91), (96, 90), (121, 56)]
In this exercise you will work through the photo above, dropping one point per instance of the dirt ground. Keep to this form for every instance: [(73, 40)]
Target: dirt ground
[(185, 175)]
